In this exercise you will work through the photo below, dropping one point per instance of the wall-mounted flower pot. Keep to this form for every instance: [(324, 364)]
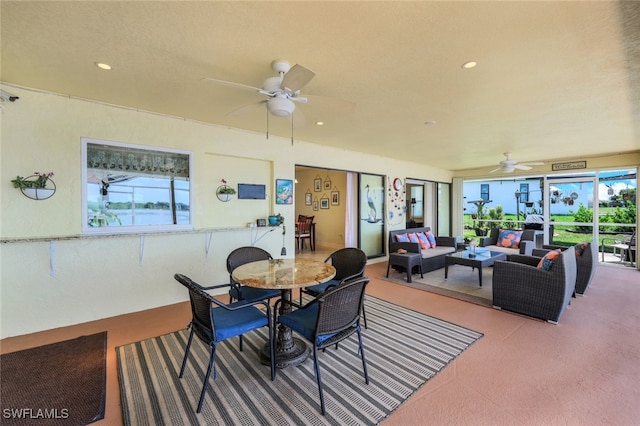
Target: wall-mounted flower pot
[(224, 197), (38, 193), (225, 193)]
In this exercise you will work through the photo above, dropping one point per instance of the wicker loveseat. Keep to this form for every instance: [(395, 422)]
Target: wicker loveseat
[(519, 286), (586, 262), (432, 258), (525, 247)]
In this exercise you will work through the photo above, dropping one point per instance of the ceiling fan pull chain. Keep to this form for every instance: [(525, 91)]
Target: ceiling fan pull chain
[(292, 130), (267, 124)]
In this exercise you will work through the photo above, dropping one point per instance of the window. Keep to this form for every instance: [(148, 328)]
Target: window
[(524, 192), (484, 191), (130, 188)]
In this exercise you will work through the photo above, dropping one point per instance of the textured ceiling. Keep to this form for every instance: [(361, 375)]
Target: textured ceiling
[(554, 79)]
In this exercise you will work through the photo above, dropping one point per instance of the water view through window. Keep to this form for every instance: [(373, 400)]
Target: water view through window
[(131, 188)]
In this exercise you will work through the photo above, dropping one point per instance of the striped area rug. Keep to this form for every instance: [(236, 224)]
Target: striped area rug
[(403, 349)]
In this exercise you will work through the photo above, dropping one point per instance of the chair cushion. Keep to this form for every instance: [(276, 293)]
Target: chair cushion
[(580, 248), (252, 294), (314, 290), (303, 322), (549, 259), (234, 323), (402, 238), (438, 251), (424, 242), (431, 238), (509, 238)]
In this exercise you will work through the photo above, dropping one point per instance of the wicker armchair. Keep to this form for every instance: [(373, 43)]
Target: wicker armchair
[(213, 322), (350, 263), (239, 257), (521, 287), (586, 263), (327, 320)]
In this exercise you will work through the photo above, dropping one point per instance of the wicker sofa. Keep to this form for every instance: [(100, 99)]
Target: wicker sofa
[(526, 246), (432, 258), (519, 286)]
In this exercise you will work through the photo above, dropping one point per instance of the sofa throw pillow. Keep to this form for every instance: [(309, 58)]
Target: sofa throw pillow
[(413, 237), (580, 247), (509, 238), (402, 238), (547, 262), (431, 238), (424, 242)]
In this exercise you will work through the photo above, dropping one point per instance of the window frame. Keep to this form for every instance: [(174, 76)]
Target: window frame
[(131, 229), (484, 197)]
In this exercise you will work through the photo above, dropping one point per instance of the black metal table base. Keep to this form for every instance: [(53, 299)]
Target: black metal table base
[(295, 355)]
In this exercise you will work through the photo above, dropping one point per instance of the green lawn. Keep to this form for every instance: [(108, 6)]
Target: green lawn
[(564, 235)]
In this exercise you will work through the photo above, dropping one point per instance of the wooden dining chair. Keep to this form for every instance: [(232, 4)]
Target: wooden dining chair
[(303, 232)]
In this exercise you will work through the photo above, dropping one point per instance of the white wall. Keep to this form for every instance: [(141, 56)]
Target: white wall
[(44, 260)]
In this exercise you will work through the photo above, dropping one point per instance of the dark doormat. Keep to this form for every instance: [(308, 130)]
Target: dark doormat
[(62, 383)]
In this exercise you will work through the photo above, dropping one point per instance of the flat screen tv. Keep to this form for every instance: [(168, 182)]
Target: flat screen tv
[(250, 191)]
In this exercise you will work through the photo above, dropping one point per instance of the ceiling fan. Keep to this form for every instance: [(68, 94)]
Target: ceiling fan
[(508, 165), (282, 91)]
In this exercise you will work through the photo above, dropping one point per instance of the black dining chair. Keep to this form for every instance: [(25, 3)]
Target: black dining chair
[(213, 322), (239, 257), (328, 319), (349, 262)]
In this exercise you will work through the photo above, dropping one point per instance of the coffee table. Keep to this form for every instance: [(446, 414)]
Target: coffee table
[(482, 259)]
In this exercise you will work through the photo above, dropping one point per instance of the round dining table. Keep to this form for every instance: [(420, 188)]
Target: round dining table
[(285, 275)]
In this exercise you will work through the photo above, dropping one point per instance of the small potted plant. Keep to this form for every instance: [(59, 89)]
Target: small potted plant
[(276, 220), (38, 186), (225, 192)]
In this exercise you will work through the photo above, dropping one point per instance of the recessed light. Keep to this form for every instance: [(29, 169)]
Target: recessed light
[(319, 123), (430, 123), (469, 65), (103, 66)]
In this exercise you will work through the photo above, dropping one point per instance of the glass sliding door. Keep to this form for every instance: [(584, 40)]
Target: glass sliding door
[(571, 209), (371, 214), (444, 210)]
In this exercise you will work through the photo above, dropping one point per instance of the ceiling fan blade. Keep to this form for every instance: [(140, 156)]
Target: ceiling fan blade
[(302, 100), (296, 78), (232, 84), (495, 170), (533, 163), (521, 167), (245, 109)]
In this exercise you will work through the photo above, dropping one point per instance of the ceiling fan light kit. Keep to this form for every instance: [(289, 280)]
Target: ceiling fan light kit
[(280, 106)]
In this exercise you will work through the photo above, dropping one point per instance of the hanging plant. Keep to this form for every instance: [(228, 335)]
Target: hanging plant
[(38, 186), (224, 192)]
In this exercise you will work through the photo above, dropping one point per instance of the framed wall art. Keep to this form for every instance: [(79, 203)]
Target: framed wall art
[(315, 205), (324, 203), (284, 191), (307, 198), (327, 183), (317, 184), (335, 198)]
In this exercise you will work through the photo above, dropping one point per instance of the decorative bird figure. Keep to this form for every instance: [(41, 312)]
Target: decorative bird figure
[(372, 207)]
